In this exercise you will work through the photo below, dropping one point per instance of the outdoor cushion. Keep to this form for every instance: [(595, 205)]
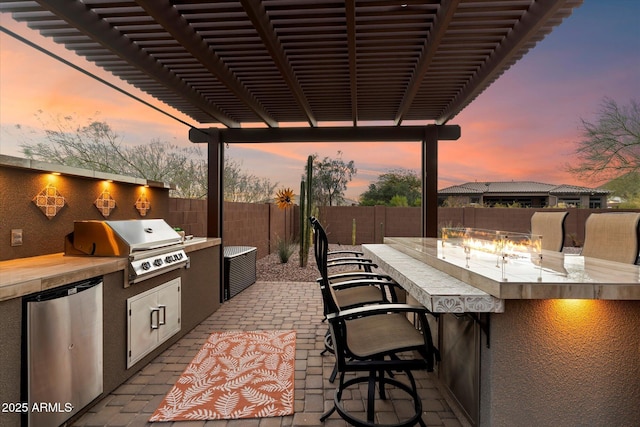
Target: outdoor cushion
[(381, 334)]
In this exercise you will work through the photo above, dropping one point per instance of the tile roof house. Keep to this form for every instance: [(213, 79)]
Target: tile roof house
[(526, 193)]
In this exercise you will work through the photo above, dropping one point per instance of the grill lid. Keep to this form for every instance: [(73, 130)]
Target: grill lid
[(121, 238)]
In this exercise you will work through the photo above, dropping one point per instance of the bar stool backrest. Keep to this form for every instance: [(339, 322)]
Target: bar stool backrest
[(320, 249), (549, 225), (613, 237)]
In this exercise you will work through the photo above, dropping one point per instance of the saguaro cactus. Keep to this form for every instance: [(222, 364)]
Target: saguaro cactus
[(305, 213), (303, 223)]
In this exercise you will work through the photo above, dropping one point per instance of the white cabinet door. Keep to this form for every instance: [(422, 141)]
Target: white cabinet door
[(143, 318), (153, 317), (169, 305)]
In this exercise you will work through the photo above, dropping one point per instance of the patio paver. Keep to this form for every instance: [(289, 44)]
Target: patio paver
[(264, 305)]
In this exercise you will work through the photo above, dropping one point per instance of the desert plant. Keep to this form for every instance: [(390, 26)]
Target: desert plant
[(353, 232), (285, 250), (305, 213), (303, 222)]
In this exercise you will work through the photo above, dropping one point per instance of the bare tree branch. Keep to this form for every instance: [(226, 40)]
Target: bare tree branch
[(97, 147), (610, 147)]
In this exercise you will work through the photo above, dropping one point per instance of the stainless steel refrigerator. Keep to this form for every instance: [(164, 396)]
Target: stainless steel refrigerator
[(64, 351)]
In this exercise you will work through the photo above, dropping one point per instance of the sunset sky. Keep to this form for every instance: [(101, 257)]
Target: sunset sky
[(524, 127)]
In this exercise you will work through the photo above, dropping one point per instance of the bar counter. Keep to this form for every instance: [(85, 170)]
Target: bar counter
[(554, 276), (544, 343)]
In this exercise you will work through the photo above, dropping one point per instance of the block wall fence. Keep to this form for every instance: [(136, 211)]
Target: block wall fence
[(262, 225)]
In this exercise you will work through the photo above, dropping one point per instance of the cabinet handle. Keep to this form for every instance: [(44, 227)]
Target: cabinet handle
[(156, 326), (163, 308)]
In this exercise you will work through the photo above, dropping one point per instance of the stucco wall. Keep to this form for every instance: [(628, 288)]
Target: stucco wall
[(562, 363), (42, 235)]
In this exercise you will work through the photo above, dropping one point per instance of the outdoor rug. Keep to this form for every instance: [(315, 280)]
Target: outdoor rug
[(238, 374)]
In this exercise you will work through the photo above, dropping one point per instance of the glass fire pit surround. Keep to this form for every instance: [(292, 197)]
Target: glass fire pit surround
[(477, 248)]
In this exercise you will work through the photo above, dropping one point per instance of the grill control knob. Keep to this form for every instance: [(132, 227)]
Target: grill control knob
[(146, 265), (168, 259), (157, 262)]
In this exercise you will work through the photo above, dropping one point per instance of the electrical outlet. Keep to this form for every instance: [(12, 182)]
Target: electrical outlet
[(16, 237)]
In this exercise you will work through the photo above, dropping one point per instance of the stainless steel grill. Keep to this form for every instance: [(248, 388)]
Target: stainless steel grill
[(151, 245)]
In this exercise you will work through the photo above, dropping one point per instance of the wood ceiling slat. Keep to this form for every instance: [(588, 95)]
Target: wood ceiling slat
[(296, 60)]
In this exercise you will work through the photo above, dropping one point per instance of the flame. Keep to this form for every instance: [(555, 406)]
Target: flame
[(494, 242)]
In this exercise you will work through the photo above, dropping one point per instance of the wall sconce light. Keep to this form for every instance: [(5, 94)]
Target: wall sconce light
[(143, 204), (105, 203), (50, 201), (52, 177)]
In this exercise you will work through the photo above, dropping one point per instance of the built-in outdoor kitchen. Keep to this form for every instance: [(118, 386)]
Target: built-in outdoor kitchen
[(94, 283)]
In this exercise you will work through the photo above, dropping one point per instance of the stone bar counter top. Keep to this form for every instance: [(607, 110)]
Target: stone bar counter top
[(551, 276), (23, 276), (435, 290)]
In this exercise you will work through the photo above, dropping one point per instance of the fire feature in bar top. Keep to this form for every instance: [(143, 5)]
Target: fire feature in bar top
[(504, 245), (509, 244)]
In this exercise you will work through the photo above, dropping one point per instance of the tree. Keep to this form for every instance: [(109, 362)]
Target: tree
[(96, 146), (240, 186), (394, 188), (627, 187), (610, 146), (330, 178)]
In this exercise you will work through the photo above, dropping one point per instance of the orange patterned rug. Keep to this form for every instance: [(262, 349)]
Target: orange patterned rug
[(235, 375)]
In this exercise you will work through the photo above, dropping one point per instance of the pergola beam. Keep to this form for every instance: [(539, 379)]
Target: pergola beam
[(325, 134), (88, 22), (350, 13), (523, 32), (165, 14), (256, 12), (432, 42)]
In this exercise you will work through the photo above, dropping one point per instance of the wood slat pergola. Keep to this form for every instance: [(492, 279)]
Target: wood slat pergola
[(373, 67)]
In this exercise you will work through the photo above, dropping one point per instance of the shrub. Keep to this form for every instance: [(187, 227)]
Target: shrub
[(285, 250)]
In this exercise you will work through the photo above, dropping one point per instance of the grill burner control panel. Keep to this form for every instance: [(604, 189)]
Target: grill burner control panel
[(146, 266)]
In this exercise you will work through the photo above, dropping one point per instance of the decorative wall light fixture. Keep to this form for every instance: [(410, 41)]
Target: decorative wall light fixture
[(143, 204), (105, 203), (50, 201)]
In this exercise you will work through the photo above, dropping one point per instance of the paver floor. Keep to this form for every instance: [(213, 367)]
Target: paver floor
[(264, 305)]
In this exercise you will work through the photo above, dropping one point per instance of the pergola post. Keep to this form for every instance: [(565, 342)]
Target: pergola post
[(429, 204), (215, 196)]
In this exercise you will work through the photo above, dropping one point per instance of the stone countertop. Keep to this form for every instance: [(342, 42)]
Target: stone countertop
[(435, 290), (23, 276), (559, 277)]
